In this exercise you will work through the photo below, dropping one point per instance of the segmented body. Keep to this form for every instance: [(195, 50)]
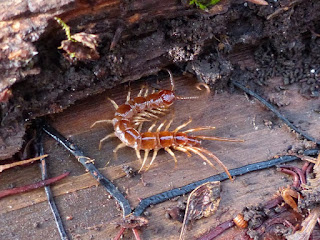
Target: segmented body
[(140, 109), (124, 122)]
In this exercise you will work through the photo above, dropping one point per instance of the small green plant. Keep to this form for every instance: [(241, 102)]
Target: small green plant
[(203, 4), (66, 28)]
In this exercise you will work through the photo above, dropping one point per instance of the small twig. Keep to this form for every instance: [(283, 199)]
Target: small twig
[(20, 163), (275, 111), (136, 234), (26, 188), (300, 173), (164, 196), (217, 230), (296, 180), (120, 233), (44, 176), (284, 9), (76, 152)]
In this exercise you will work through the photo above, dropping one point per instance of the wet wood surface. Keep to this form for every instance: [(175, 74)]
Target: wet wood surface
[(92, 211)]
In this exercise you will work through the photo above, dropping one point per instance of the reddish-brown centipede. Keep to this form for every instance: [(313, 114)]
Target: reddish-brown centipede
[(140, 109)]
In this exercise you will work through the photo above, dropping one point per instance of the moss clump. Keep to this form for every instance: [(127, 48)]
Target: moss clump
[(203, 4)]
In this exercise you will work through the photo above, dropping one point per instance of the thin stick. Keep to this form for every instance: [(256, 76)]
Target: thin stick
[(47, 189), (164, 196), (275, 111), (105, 182), (27, 188), (20, 163)]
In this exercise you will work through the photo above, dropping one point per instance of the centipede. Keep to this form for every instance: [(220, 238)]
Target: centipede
[(129, 117)]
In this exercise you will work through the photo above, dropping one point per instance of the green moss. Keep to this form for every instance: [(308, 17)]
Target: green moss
[(66, 28), (203, 4)]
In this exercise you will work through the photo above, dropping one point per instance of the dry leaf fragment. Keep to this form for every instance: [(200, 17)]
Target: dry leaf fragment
[(202, 202)]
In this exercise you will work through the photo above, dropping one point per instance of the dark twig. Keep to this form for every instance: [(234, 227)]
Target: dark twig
[(88, 164), (44, 176), (161, 197), (26, 188), (275, 111)]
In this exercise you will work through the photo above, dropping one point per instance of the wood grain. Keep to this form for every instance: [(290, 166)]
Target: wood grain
[(28, 215)]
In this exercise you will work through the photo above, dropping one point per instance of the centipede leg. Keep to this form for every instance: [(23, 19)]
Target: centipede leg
[(140, 127), (183, 125), (138, 154), (181, 149), (121, 145), (149, 115), (168, 125), (199, 129), (115, 105), (101, 121), (105, 138), (128, 95), (141, 90), (161, 125), (146, 153), (192, 149), (198, 151), (146, 92), (155, 152), (168, 150), (215, 158), (152, 126)]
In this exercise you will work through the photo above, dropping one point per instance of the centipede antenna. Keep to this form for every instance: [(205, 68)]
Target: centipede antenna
[(105, 138), (101, 121), (183, 125), (198, 86), (206, 86), (171, 78), (199, 129), (115, 105), (187, 98), (219, 139)]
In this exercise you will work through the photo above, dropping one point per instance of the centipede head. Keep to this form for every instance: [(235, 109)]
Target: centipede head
[(167, 97)]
